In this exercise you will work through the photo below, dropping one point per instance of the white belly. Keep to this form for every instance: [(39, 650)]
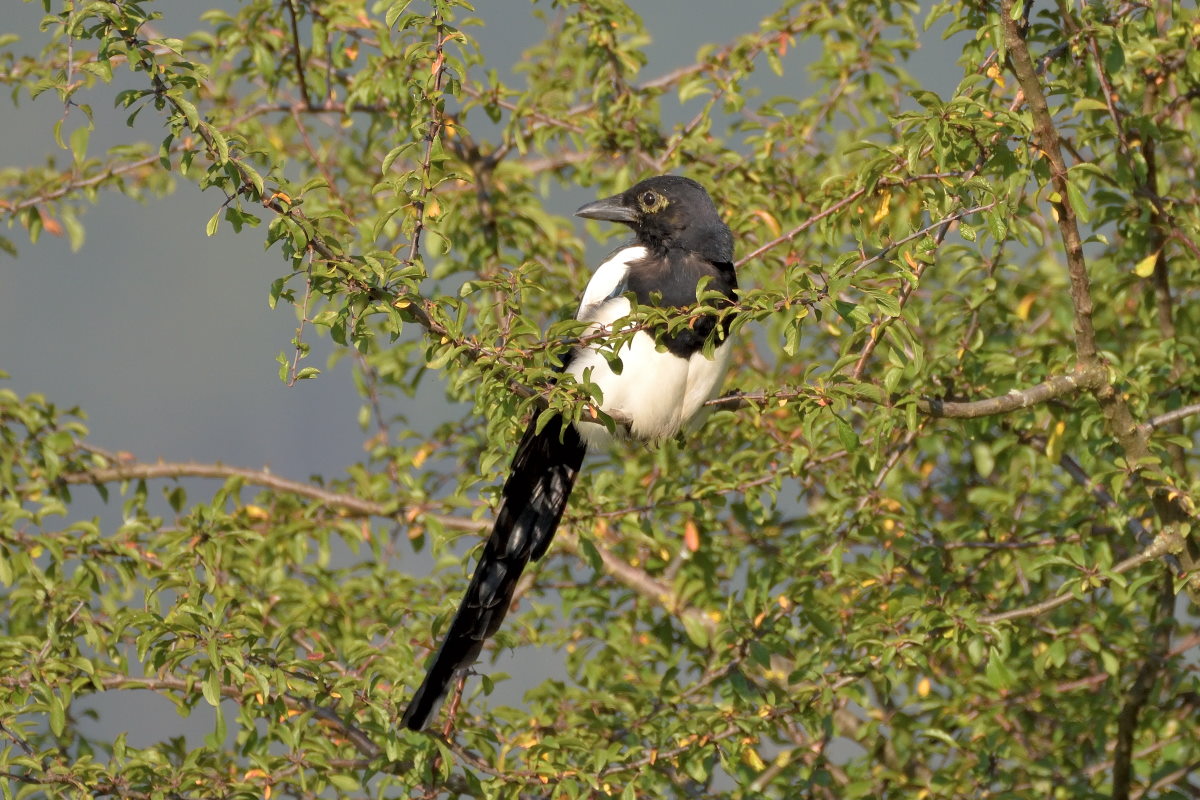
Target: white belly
[(657, 393)]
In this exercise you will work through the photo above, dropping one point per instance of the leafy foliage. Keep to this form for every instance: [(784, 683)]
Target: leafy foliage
[(931, 546)]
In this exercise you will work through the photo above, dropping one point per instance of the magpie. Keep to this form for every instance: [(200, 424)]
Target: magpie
[(680, 246)]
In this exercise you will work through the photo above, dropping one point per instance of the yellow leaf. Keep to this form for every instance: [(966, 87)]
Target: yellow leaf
[(995, 74), (923, 687), (257, 512), (1054, 443), (1025, 305), (753, 760), (420, 456), (1145, 267), (884, 207)]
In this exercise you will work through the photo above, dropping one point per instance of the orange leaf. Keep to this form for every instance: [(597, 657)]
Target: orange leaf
[(769, 221), (691, 536)]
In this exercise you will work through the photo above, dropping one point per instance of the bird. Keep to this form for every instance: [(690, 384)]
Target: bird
[(680, 245)]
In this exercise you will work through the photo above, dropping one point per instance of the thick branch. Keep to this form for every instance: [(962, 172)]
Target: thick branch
[(1048, 143), (1170, 504), (1058, 386)]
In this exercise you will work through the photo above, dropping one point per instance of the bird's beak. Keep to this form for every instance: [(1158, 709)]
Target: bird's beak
[(610, 208)]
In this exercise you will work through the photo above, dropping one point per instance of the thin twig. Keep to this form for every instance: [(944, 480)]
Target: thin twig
[(299, 340), (431, 134), (296, 54)]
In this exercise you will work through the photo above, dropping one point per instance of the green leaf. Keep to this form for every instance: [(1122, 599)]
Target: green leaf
[(394, 11), (1089, 104)]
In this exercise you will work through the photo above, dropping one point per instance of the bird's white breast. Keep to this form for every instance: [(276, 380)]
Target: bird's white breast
[(656, 393)]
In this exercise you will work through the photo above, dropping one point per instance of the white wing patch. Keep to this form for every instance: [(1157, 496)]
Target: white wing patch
[(605, 280), (656, 393)]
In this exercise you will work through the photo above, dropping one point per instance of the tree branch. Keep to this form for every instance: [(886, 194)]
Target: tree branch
[(431, 135), (296, 54), (626, 574), (1048, 143), (353, 734), (127, 471), (1143, 685), (1164, 543), (1058, 386), (1170, 503), (1171, 416)]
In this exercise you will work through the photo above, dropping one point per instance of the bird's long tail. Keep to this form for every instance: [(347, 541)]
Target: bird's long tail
[(532, 503)]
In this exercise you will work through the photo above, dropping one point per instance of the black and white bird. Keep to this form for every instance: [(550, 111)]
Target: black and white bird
[(679, 245)]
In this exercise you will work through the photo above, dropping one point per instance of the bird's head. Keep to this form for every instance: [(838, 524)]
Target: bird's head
[(668, 211)]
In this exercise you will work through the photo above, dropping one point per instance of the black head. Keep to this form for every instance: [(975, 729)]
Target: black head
[(667, 212)]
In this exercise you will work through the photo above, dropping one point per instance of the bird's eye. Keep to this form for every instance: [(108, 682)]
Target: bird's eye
[(649, 201)]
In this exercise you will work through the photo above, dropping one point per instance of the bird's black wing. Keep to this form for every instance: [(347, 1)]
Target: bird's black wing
[(532, 503)]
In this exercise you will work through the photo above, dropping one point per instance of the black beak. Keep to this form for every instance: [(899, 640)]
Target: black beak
[(610, 209)]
